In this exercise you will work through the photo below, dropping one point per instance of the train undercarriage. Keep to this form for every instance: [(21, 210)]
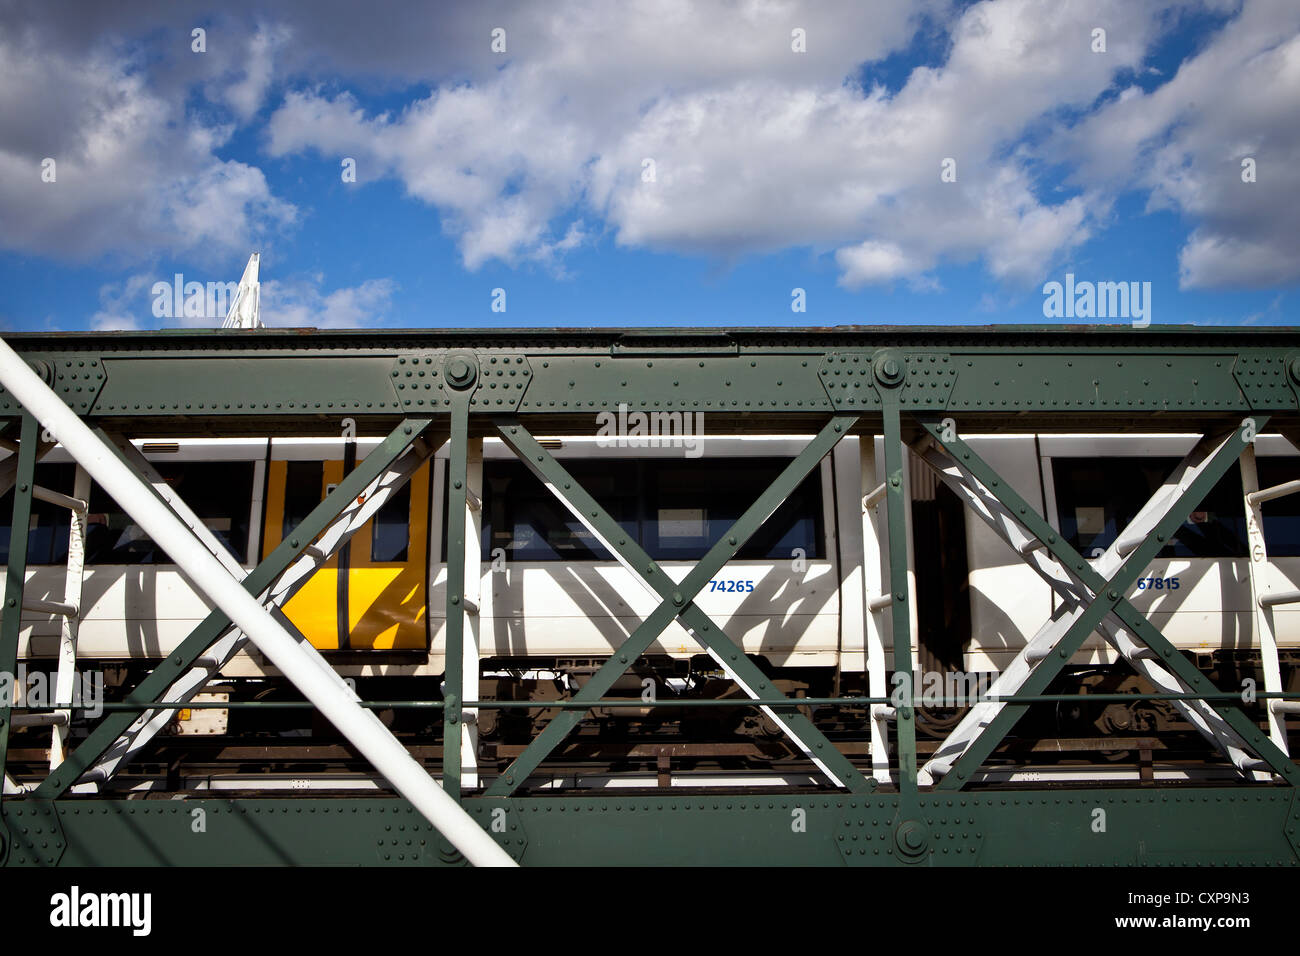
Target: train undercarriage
[(267, 737)]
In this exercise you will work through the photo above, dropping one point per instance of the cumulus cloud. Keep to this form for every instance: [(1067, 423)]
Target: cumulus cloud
[(302, 303), (245, 96), (673, 126), (689, 129), (120, 305), (1184, 143), (131, 173), (149, 301)]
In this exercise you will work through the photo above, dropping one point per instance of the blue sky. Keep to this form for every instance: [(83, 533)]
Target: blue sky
[(775, 168)]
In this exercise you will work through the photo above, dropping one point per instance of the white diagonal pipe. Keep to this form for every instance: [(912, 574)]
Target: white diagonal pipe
[(360, 726)]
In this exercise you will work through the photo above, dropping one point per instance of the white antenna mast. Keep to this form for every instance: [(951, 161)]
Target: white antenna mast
[(245, 311)]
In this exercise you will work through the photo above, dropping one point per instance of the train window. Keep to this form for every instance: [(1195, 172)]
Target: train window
[(691, 508), (524, 519), (1281, 515), (303, 491), (47, 536), (1097, 498), (219, 493), (675, 511), (391, 527)]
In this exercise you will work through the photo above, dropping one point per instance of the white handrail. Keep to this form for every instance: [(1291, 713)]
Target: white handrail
[(1277, 491)]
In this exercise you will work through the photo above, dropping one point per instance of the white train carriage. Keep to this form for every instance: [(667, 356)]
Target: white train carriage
[(549, 596)]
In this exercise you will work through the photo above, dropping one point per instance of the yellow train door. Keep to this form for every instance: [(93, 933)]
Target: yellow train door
[(378, 600)]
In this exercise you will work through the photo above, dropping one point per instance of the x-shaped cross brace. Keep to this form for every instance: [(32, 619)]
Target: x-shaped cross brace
[(1097, 597), (1075, 596), (676, 601), (170, 675), (357, 510)]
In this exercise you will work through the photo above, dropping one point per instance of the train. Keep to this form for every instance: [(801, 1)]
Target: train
[(552, 604)]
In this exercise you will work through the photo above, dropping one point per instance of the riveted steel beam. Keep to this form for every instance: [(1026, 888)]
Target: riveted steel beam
[(1049, 377), (901, 618), (1081, 827), (457, 489)]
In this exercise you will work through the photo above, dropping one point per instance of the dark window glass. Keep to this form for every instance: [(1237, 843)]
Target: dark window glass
[(522, 517), (390, 528), (692, 507), (303, 491), (47, 535), (674, 510), (1096, 498), (218, 492), (1281, 515)]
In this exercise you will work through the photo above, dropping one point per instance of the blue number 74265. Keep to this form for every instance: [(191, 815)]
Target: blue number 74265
[(731, 586)]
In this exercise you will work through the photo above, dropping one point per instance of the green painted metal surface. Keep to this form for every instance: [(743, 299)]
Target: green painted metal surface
[(897, 382), (15, 576), (1061, 828), (205, 374)]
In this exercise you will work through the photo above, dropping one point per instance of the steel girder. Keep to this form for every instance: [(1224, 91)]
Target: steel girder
[(1076, 827), (891, 382), (255, 383)]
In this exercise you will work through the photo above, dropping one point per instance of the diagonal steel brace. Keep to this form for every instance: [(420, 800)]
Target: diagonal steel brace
[(354, 516), (1075, 594), (1172, 509), (168, 671), (676, 600)]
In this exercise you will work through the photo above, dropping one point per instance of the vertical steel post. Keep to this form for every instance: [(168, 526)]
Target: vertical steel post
[(472, 601), (12, 616), (454, 649), (900, 611)]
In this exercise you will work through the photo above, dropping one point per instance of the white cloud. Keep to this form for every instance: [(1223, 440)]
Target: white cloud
[(755, 148), (120, 306), (873, 262), (133, 173), (526, 157), (246, 95), (297, 302), (1184, 143), (302, 303)]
